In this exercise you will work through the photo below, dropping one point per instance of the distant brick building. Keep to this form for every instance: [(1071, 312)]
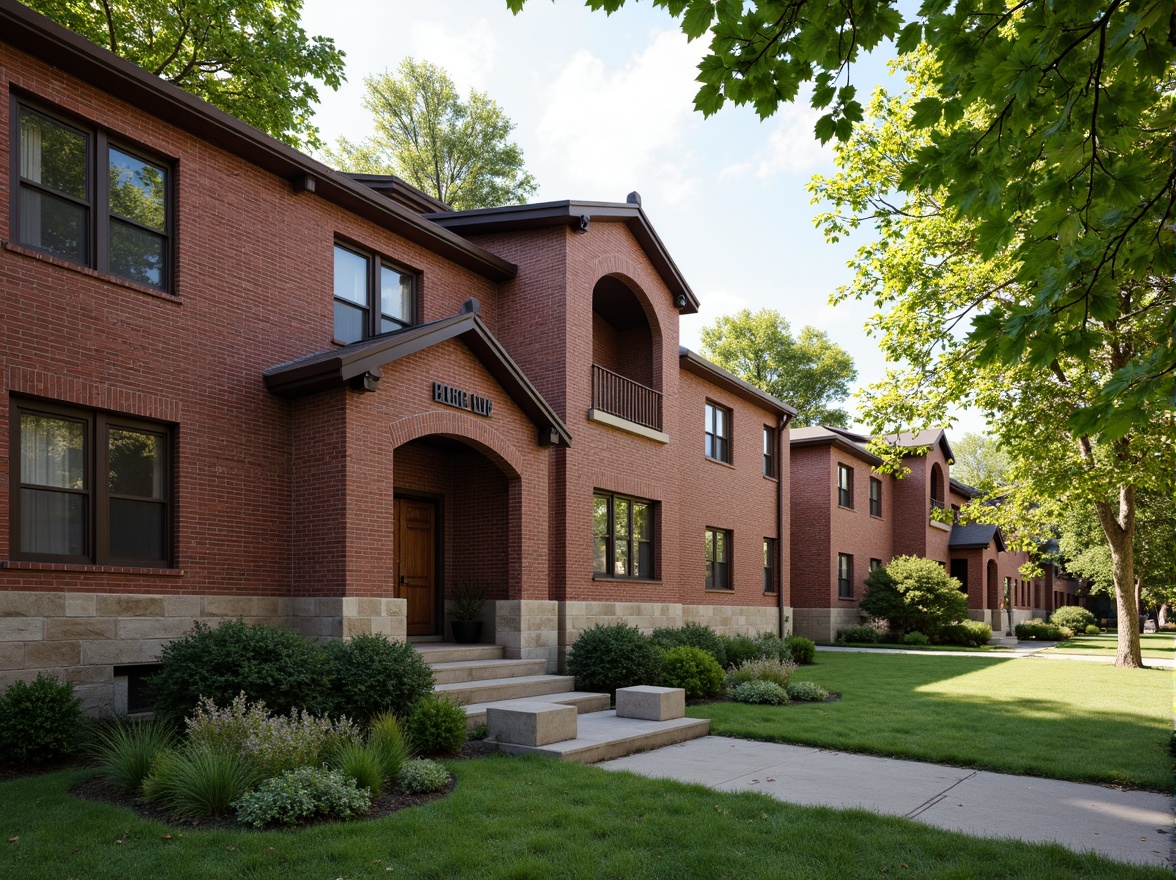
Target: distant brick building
[(237, 383)]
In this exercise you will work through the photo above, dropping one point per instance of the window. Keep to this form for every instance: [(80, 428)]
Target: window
[(718, 432), (91, 202), (875, 497), (770, 559), (845, 486), (844, 576), (623, 535), (875, 564), (90, 487), (718, 559), (769, 451), (371, 297)]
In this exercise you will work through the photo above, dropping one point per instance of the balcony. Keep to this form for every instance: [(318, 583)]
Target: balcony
[(612, 393)]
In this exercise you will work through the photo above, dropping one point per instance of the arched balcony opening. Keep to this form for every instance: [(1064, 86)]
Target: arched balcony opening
[(937, 495), (624, 357)]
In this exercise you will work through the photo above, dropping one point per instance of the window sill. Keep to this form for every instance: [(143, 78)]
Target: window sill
[(727, 591), (88, 568), (86, 270), (719, 461), (844, 507), (597, 415), (772, 478), (604, 578), (847, 598), (943, 527)]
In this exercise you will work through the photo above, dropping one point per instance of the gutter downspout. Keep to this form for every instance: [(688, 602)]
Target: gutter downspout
[(782, 620)]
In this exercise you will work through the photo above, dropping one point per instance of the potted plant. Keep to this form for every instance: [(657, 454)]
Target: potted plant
[(468, 599)]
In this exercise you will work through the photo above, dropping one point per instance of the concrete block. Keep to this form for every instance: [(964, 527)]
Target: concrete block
[(531, 724), (44, 655), (11, 655), (21, 629), (80, 628), (81, 605), (651, 703), (154, 628), (118, 605), (21, 604)]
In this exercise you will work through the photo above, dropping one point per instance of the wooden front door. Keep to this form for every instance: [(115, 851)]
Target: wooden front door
[(416, 563)]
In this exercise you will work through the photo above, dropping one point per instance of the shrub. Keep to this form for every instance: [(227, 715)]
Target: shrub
[(807, 692), (740, 649), (271, 743), (802, 651), (771, 645), (610, 656), (40, 721), (300, 795), (361, 762), (915, 638), (197, 781), (436, 726), (125, 751), (763, 693), (1092, 630), (387, 737), (1072, 617), (421, 776), (694, 670), (970, 633), (1041, 631), (913, 593), (371, 674), (693, 635), (281, 668), (859, 634), (779, 672)]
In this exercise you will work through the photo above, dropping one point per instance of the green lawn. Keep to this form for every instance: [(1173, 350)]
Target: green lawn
[(510, 819), (1053, 718), (1157, 646)]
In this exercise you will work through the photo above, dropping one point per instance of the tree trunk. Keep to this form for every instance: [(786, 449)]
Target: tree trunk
[(1119, 528)]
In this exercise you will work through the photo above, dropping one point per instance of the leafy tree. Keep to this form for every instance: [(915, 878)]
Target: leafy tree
[(810, 373), (1058, 115), (251, 58), (929, 270), (980, 462), (452, 149), (914, 594)]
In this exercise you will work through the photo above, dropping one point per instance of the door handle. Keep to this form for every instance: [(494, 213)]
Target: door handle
[(402, 580)]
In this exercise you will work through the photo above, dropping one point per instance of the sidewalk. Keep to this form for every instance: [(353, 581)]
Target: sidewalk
[(1128, 826), (1037, 650)]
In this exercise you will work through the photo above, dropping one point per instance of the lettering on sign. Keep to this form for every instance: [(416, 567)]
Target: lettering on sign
[(459, 399)]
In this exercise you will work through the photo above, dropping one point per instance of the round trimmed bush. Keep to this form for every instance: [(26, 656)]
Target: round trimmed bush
[(1073, 617), (807, 692), (610, 656), (860, 635), (802, 651), (436, 726), (759, 692), (694, 670), (915, 638), (740, 649), (371, 674), (40, 721), (772, 646), (969, 633), (276, 666), (422, 775), (694, 635), (300, 795), (1093, 630)]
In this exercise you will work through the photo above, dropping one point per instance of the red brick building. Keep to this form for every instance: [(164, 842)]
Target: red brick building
[(236, 383)]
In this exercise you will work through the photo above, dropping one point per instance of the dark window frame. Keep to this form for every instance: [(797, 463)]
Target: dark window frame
[(99, 212), (97, 493), (844, 487), (875, 497), (718, 445), (771, 566), (721, 579), (632, 541), (374, 315), (844, 575), (770, 469)]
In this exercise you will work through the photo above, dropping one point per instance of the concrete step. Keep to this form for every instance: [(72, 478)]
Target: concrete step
[(603, 736), (582, 700), (448, 652), (496, 689), (481, 670)]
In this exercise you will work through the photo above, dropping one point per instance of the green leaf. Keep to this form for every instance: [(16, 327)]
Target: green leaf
[(926, 112)]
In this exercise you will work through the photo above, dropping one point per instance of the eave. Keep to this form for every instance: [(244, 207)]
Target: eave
[(716, 375)]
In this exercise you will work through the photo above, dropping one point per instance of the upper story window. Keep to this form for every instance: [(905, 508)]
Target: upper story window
[(845, 486), (769, 451), (718, 432), (844, 576), (89, 201), (718, 559), (875, 496), (371, 296), (623, 536), (90, 487)]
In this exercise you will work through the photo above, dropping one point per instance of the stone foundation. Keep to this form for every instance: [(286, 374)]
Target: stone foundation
[(527, 629), (822, 624)]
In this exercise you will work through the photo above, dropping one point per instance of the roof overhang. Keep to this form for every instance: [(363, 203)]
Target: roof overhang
[(839, 442), (38, 36), (577, 215), (359, 366), (975, 536), (716, 375)]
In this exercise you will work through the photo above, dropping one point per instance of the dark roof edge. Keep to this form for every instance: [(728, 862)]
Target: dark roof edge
[(963, 488), (701, 367), (838, 441), (568, 213), (44, 39)]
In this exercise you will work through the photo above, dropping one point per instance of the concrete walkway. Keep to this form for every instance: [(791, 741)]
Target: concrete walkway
[(1128, 826), (1035, 650)]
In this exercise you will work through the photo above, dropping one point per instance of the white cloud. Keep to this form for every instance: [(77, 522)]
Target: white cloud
[(467, 55), (792, 148), (615, 130)]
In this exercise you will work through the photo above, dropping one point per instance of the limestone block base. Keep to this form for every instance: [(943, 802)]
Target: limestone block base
[(528, 629), (822, 624), (651, 703), (531, 724)]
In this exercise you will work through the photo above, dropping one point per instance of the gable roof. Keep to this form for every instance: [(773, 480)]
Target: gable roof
[(929, 437), (975, 535), (838, 438), (577, 214), (716, 375), (340, 367)]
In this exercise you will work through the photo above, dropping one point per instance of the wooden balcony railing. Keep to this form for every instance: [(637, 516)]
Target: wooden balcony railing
[(614, 394)]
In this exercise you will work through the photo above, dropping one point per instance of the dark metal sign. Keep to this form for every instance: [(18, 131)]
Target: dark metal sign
[(459, 399)]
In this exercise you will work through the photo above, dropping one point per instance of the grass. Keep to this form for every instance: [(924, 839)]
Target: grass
[(955, 649), (520, 818), (1157, 646), (1064, 720)]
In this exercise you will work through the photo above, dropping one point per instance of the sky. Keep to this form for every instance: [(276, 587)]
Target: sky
[(603, 106)]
